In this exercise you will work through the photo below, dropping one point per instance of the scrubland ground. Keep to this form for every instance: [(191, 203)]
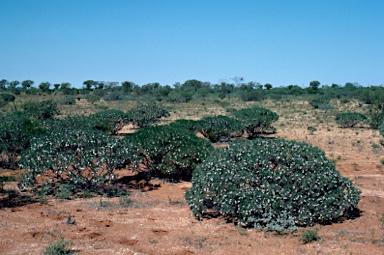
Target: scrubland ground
[(155, 219)]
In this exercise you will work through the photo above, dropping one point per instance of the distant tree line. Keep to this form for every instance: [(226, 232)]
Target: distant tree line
[(196, 90)]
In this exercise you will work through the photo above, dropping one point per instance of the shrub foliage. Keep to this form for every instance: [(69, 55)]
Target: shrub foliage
[(271, 184), (220, 128), (172, 152), (349, 119), (257, 120), (146, 114), (80, 159)]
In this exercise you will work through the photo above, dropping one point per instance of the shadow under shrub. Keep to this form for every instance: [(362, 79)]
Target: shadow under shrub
[(171, 152), (272, 184)]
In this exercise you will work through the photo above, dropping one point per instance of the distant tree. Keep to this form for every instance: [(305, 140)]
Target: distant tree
[(3, 84), (13, 84), (27, 84), (56, 86), (127, 86), (65, 85), (88, 84), (44, 86), (268, 86), (314, 85), (335, 86)]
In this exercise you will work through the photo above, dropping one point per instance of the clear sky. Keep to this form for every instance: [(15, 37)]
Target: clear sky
[(281, 42)]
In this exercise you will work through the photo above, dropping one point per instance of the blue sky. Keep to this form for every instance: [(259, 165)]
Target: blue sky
[(280, 42)]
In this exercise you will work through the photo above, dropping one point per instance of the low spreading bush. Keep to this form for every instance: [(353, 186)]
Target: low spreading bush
[(220, 128), (171, 152), (381, 128), (80, 159), (257, 120), (7, 97), (16, 131), (271, 184), (349, 119), (147, 114), (43, 110), (190, 125), (110, 121)]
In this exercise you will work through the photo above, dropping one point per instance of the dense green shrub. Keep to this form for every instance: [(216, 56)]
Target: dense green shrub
[(8, 97), (68, 100), (257, 120), (191, 125), (349, 119), (114, 96), (147, 114), (92, 98), (172, 152), (3, 102), (41, 110), (309, 236), (110, 120), (381, 128), (80, 159), (271, 184), (220, 128), (16, 130)]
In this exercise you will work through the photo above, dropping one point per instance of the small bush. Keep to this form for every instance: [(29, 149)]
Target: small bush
[(257, 120), (8, 97), (92, 98), (114, 96), (309, 236), (311, 129), (68, 100), (60, 247), (349, 119), (172, 152), (220, 128), (190, 125), (80, 159), (271, 184), (381, 128), (110, 121), (43, 110), (16, 130), (147, 114)]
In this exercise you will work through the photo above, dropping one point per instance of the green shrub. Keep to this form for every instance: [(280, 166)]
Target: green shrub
[(171, 152), (110, 121), (16, 130), (8, 97), (190, 125), (147, 114), (60, 247), (349, 119), (309, 236), (271, 184), (114, 96), (92, 98), (220, 128), (257, 120), (82, 159), (381, 128), (311, 129), (68, 100), (43, 110)]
